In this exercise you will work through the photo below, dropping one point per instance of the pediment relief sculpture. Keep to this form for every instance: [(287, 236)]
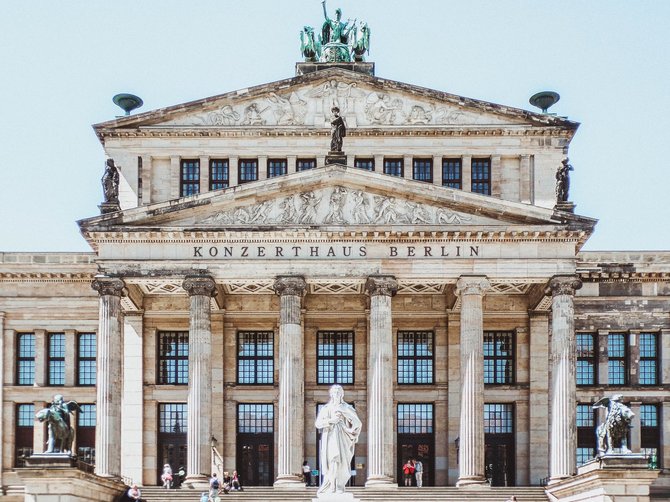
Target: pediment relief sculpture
[(311, 105), (338, 206)]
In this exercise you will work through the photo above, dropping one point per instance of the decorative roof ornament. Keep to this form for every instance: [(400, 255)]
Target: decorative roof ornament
[(339, 41)]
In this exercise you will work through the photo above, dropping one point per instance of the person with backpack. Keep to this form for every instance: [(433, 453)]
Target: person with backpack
[(214, 486), (408, 471)]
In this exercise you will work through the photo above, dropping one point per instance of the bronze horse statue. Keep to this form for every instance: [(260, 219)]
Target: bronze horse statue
[(310, 48), (361, 45), (57, 417)]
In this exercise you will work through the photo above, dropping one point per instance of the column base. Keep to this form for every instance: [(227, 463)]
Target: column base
[(289, 482), (383, 482), (471, 481), (197, 482)]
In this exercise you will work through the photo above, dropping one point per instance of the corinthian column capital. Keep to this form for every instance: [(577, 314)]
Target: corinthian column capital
[(472, 285), (293, 285), (563, 285), (381, 285), (108, 286), (199, 285)]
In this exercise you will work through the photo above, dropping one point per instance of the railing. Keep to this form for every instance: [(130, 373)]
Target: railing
[(217, 463)]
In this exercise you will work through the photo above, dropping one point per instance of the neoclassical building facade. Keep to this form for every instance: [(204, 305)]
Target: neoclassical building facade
[(429, 270)]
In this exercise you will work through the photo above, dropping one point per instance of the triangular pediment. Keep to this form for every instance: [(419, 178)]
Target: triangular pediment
[(334, 198), (365, 101)]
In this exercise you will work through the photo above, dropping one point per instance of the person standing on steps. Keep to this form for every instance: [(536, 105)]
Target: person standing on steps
[(306, 473), (418, 472)]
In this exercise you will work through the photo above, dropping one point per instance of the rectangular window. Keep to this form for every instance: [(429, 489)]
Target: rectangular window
[(256, 418), (173, 418), (25, 368), (248, 170), (648, 359), (415, 418), (23, 433), (335, 357), (393, 167), (255, 357), (498, 418), (305, 164), (86, 433), (415, 357), (452, 176), (56, 359), (498, 357), (365, 163), (481, 176), (650, 433), (219, 174), (277, 167), (617, 359), (586, 433), (587, 362), (173, 358), (190, 177), (86, 354), (422, 170)]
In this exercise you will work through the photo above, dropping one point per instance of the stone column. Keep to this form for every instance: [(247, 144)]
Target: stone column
[(109, 377), (471, 289), (199, 433), (291, 404), (563, 392), (381, 435), (2, 386)]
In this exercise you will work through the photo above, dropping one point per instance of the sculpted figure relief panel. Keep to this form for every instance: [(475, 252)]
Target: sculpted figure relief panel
[(312, 105), (337, 206)]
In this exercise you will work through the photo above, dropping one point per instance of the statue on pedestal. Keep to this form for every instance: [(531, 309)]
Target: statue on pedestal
[(57, 416), (340, 428), (613, 431), (338, 130), (110, 183), (563, 181)]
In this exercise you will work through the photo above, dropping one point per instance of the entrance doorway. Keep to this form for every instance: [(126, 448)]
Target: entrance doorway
[(416, 440), (255, 444), (172, 428), (499, 438)]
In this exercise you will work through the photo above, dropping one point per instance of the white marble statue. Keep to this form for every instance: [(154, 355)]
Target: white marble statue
[(340, 427)]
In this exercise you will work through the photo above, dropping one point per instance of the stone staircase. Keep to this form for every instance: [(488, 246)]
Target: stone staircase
[(426, 494)]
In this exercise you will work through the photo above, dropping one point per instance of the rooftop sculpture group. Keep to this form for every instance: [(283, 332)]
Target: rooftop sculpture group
[(339, 41)]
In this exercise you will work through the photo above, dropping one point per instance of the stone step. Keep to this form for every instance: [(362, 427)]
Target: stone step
[(426, 494)]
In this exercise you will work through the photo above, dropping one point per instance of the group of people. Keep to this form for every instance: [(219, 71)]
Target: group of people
[(170, 479), (413, 470), (227, 484)]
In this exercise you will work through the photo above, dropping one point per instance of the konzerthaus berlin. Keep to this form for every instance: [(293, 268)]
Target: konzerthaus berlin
[(428, 269)]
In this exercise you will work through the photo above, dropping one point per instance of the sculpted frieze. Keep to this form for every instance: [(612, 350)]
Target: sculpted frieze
[(311, 105), (337, 206)]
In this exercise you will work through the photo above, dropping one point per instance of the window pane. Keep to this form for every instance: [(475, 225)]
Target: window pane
[(422, 169), (498, 418), (218, 174), (498, 357), (305, 164), (415, 418), (25, 371), (367, 164), (335, 357), (56, 359), (173, 358), (86, 417), (648, 359), (393, 167), (248, 170), (451, 173), (415, 357), (173, 418), (617, 370), (255, 418), (190, 177), (255, 357), (277, 167), (481, 176), (586, 359)]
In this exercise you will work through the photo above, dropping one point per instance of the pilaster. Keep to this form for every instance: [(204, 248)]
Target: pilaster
[(538, 454), (291, 164), (132, 421), (291, 418), (2, 397), (204, 173), (263, 167), (147, 169), (563, 393), (471, 289), (233, 170), (496, 175), (381, 436), (407, 167), (466, 173), (109, 375), (437, 170), (200, 288), (41, 347), (175, 177), (70, 357), (524, 179), (603, 342)]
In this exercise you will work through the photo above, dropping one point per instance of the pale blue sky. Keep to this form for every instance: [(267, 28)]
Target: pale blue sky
[(61, 62)]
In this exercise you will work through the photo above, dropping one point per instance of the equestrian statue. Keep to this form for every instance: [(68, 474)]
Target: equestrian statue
[(57, 417)]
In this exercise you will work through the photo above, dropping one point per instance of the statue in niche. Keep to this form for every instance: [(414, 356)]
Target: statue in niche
[(340, 427), (310, 203), (110, 183), (613, 432), (563, 181), (338, 131), (57, 417), (337, 200)]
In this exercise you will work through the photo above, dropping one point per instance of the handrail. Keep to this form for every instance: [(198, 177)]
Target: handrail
[(217, 463)]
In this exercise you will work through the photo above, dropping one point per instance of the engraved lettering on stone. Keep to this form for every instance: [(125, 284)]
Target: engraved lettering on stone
[(252, 115), (420, 115), (225, 116), (380, 108), (337, 200)]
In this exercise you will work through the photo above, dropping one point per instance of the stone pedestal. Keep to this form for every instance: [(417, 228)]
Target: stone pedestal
[(566, 206), (303, 68), (291, 420), (109, 207), (609, 478), (109, 374), (471, 289), (563, 393), (336, 158), (50, 478), (381, 451), (200, 288)]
